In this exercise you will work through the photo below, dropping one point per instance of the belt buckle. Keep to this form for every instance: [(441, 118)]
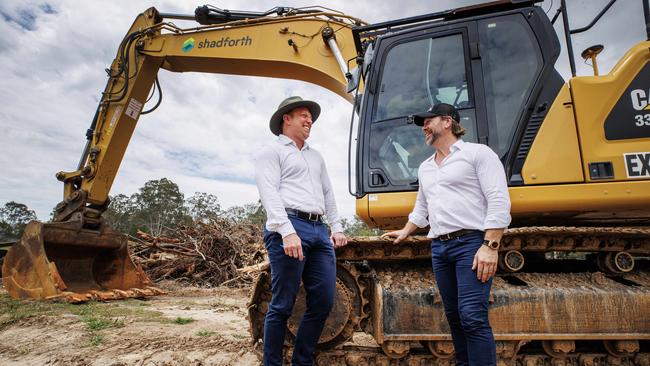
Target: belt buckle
[(314, 215)]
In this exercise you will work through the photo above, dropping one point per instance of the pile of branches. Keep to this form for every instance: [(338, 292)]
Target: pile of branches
[(213, 253)]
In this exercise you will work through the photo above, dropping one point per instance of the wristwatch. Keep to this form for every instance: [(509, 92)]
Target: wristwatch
[(492, 244)]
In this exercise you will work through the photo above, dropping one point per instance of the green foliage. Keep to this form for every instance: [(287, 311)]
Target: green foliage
[(160, 206), (205, 333), (203, 207), (250, 213), (356, 227), (157, 207), (120, 212), (13, 218), (183, 321), (93, 323), (96, 339)]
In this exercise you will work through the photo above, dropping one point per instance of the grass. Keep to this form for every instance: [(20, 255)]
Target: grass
[(205, 333), (183, 321), (96, 316), (96, 339)]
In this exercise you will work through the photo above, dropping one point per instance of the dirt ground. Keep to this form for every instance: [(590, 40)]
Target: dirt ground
[(189, 326)]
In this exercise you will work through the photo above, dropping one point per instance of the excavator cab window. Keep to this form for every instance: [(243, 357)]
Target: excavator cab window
[(416, 73), (511, 62)]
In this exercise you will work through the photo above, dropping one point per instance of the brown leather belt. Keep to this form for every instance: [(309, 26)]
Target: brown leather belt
[(453, 235)]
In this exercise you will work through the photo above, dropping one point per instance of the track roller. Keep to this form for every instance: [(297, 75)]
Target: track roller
[(511, 261), (441, 349), (396, 349), (621, 348), (616, 262), (558, 349)]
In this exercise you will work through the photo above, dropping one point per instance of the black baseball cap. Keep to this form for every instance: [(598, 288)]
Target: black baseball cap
[(440, 109)]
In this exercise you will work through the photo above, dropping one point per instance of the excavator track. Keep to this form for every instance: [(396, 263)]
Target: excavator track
[(356, 355), (562, 296)]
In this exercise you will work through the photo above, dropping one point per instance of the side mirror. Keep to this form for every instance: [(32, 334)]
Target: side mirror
[(353, 79)]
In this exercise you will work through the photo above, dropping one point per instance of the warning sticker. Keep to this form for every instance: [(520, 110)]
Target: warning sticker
[(118, 109), (133, 109)]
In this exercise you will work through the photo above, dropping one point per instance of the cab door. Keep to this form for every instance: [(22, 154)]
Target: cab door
[(412, 71)]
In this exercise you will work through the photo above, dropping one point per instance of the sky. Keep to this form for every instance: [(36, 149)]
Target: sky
[(203, 137)]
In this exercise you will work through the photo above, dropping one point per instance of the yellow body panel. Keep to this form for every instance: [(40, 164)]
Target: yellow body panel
[(554, 156), (594, 98), (607, 200), (262, 50)]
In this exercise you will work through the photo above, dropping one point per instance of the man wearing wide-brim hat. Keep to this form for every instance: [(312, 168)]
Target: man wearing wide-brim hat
[(296, 192)]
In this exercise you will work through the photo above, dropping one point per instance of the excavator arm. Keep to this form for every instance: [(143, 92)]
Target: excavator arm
[(288, 47), (78, 256)]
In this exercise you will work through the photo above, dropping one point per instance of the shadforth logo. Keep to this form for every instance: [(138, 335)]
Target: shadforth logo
[(188, 44), (226, 42)]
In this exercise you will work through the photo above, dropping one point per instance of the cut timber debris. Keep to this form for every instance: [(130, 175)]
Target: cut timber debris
[(213, 253)]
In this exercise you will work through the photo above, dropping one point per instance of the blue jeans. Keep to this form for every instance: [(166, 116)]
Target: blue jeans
[(318, 274), (465, 299)]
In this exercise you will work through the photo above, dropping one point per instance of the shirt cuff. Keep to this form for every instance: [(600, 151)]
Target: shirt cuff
[(285, 229), (336, 228), (496, 222), (418, 220)]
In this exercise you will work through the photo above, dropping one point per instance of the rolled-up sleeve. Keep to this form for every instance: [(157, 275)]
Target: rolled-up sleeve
[(492, 178), (419, 215), (267, 178)]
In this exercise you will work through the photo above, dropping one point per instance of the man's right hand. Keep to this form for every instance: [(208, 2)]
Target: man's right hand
[(399, 235), (292, 246)]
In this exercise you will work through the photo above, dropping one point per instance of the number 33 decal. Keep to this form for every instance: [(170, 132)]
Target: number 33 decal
[(642, 119)]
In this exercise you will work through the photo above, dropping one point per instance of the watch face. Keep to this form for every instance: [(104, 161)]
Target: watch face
[(491, 244)]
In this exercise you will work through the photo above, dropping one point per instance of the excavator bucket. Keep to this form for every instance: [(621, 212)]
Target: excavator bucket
[(64, 261)]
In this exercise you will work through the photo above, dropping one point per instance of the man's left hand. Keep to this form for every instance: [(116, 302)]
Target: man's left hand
[(338, 240), (485, 263)]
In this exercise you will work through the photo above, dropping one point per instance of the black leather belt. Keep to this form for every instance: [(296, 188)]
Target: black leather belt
[(304, 215), (453, 235)]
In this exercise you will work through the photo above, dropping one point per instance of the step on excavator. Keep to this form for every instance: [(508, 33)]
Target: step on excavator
[(573, 286)]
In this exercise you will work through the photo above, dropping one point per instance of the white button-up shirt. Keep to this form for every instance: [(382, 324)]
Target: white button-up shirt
[(290, 178), (468, 190)]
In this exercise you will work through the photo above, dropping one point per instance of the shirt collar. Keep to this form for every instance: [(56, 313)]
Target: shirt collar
[(458, 145), (285, 140)]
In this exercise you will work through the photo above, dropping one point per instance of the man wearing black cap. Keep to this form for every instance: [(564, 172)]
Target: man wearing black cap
[(463, 197), (296, 192)]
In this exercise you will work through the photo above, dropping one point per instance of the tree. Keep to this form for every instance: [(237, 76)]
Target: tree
[(120, 213), (251, 213), (356, 227), (159, 205), (13, 218), (203, 207)]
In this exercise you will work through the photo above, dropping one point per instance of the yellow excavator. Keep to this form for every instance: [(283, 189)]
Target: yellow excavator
[(573, 286)]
